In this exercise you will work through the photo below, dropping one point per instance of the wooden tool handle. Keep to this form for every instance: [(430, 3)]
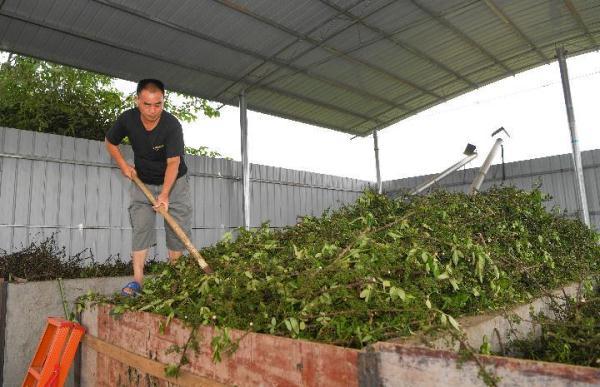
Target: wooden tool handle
[(176, 229)]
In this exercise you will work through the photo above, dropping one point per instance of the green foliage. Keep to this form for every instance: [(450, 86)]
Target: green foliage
[(47, 97), (570, 332), (173, 370), (203, 151), (223, 344), (378, 269)]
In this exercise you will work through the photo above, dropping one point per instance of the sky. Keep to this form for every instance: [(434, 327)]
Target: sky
[(530, 106)]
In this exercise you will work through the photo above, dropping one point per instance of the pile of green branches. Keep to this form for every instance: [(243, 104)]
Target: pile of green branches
[(379, 268), (46, 260), (569, 333)]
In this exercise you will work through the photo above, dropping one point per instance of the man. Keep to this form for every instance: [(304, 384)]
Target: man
[(157, 141)]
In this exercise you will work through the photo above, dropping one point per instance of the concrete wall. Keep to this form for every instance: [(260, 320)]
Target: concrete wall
[(397, 365), (27, 307), (499, 327)]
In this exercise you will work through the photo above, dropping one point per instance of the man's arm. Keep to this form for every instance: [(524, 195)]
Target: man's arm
[(170, 177), (114, 151)]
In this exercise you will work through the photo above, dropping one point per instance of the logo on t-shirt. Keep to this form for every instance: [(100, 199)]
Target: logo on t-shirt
[(158, 147)]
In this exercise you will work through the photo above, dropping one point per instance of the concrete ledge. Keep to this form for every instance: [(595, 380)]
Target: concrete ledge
[(27, 307), (495, 326), (400, 365), (89, 319)]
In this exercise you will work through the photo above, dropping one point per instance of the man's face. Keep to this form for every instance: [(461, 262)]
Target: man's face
[(150, 103)]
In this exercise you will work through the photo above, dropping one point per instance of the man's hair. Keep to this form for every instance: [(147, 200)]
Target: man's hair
[(149, 84)]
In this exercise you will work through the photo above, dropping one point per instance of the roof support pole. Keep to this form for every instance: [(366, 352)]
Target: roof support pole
[(564, 74), (377, 169), (245, 163)]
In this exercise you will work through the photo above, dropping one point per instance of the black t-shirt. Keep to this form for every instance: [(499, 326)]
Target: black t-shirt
[(150, 148)]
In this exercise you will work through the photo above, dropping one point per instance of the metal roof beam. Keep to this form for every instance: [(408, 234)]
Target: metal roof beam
[(254, 54), (579, 20), (413, 50), (137, 51), (274, 56), (239, 8), (549, 45), (322, 42), (362, 45), (502, 16), (461, 35)]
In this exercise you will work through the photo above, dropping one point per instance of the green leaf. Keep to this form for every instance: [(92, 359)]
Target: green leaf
[(397, 293), (485, 348), (453, 322), (150, 305), (443, 319), (295, 326), (455, 256), (394, 235), (428, 303), (480, 266), (454, 283), (297, 253), (366, 293)]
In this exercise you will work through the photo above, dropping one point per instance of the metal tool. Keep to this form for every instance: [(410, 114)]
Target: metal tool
[(478, 181), (470, 152)]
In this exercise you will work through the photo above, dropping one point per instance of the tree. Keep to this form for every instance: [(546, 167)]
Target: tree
[(51, 98)]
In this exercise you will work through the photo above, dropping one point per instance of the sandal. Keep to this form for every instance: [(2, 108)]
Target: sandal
[(134, 289)]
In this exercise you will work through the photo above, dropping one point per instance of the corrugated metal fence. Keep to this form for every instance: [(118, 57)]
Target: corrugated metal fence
[(68, 186), (554, 173), (64, 185)]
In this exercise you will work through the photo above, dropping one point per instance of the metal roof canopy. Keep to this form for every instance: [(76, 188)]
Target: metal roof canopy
[(350, 65)]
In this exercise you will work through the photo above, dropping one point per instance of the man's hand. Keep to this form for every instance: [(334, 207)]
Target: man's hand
[(128, 171), (113, 150), (162, 200)]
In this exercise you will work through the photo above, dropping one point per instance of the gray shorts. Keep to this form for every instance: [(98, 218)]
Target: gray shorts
[(143, 217)]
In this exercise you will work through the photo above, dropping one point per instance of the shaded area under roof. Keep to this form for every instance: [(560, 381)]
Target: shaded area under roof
[(348, 65)]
